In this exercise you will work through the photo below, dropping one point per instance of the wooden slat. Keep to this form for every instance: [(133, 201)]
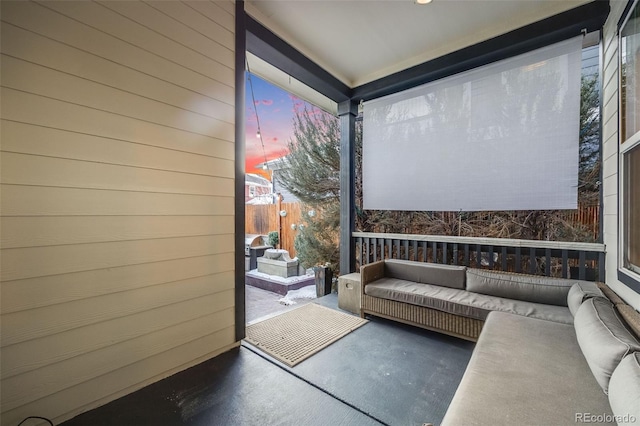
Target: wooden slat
[(22, 326), (87, 395), (51, 290), (20, 200), (21, 232), (176, 30), (367, 252), (53, 260), (375, 249), (21, 169), (34, 109), (220, 12), (445, 254), (547, 262), (187, 15), (26, 356), (41, 20), (466, 255), (533, 265), (37, 49), (45, 141), (54, 378), (27, 77), (125, 28)]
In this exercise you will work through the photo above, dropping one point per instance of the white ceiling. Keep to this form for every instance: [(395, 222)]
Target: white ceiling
[(359, 41)]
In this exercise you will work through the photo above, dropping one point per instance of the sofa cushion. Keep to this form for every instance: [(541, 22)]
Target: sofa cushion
[(461, 302), (624, 389), (581, 291), (426, 273), (525, 371), (603, 338), (531, 288)]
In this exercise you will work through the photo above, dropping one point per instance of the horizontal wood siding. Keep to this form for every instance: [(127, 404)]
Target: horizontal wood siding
[(611, 144), (117, 198)]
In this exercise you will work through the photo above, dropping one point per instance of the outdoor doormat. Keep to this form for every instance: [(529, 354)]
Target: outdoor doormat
[(296, 335)]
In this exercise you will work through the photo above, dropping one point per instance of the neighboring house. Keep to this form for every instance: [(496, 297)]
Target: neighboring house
[(590, 60), (274, 166), (256, 189)]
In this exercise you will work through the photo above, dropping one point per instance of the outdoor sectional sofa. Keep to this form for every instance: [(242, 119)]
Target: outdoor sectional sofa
[(549, 350)]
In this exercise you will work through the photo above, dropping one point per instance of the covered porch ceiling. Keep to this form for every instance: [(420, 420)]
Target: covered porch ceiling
[(356, 49)]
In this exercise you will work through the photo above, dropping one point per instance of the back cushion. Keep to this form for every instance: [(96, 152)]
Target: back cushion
[(603, 338), (624, 390), (581, 291), (530, 288), (426, 273)]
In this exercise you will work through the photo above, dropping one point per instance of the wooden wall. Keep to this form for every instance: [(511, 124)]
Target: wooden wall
[(610, 158), (117, 202)]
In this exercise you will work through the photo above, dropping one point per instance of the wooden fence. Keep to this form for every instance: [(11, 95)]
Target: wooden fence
[(262, 219), (587, 215)]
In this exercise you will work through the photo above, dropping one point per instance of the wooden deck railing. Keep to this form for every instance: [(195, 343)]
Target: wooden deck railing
[(585, 261)]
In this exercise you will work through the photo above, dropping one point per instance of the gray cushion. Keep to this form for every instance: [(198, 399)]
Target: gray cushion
[(581, 291), (624, 389), (461, 302), (532, 288), (426, 273), (603, 338), (525, 371)]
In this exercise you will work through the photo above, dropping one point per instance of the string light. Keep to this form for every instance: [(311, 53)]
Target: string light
[(255, 108)]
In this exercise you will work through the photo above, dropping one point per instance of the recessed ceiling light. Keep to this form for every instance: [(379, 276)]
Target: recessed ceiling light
[(423, 1)]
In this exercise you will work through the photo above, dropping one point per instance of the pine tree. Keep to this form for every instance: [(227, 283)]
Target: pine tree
[(311, 172)]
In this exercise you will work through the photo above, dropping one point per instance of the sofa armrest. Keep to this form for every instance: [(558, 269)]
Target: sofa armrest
[(371, 272)]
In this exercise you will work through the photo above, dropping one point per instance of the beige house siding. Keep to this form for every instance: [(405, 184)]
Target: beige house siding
[(610, 156), (117, 202)]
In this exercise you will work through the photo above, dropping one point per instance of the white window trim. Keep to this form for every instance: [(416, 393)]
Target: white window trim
[(627, 146), (623, 147)]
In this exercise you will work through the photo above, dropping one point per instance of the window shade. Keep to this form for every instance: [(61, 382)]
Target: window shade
[(499, 137)]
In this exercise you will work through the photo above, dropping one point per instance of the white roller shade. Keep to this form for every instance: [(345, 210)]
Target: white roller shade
[(499, 137)]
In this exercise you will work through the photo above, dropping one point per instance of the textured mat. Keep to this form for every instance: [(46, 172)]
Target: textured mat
[(296, 335)]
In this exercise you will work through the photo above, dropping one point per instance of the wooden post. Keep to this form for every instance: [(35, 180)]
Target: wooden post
[(279, 218), (347, 110)]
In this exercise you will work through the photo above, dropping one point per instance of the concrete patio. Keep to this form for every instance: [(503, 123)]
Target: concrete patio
[(261, 304), (381, 373)]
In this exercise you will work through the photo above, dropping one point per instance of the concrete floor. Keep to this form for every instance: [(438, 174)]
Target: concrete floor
[(262, 304), (381, 373)]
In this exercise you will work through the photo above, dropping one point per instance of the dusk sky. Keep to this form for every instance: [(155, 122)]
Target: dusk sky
[(275, 111)]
